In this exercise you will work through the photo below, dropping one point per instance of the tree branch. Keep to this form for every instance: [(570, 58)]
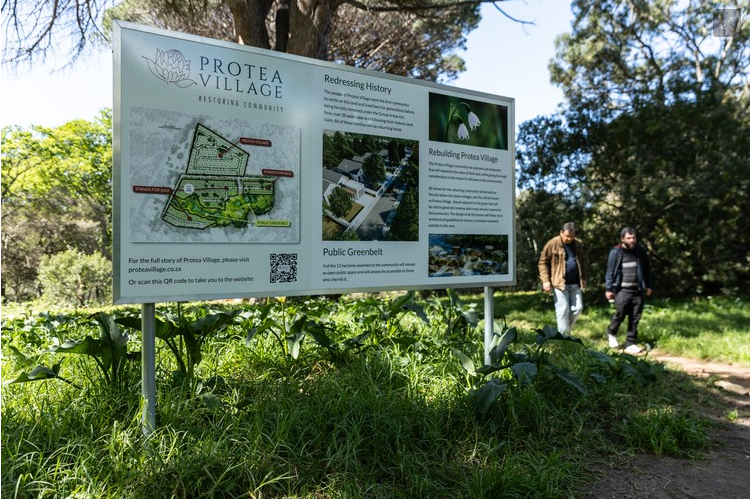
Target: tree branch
[(431, 6)]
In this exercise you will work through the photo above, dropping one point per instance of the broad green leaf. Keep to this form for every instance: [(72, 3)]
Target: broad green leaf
[(294, 343), (210, 400), (488, 394), (631, 372), (358, 341), (192, 345), (551, 333), (318, 332), (525, 372), (249, 335), (115, 343), (296, 336), (501, 344), (471, 317), (647, 370), (110, 330), (602, 357), (399, 303), (213, 323), (490, 368), (20, 357), (466, 362), (569, 378), (37, 374), (546, 333), (455, 299), (87, 346), (163, 330), (418, 310)]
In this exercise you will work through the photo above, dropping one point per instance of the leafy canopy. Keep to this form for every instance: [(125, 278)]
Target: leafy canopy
[(654, 134)]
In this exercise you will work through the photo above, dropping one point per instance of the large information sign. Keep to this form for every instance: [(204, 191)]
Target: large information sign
[(242, 172)]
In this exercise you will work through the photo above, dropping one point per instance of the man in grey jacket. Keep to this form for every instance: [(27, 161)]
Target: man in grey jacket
[(627, 280)]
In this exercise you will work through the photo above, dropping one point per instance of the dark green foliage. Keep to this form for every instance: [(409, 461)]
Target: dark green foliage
[(405, 224), (75, 279), (393, 153), (109, 352), (458, 318), (184, 338), (656, 140), (340, 202), (373, 169), (57, 196)]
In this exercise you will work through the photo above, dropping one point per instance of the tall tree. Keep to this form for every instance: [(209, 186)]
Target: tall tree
[(405, 223), (56, 190), (655, 135), (623, 54), (340, 201), (412, 38), (373, 169)]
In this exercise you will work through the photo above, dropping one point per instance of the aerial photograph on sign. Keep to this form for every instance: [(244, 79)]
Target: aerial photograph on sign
[(370, 188), (457, 255), (212, 179)]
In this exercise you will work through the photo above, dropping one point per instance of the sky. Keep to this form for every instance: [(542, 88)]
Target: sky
[(502, 58)]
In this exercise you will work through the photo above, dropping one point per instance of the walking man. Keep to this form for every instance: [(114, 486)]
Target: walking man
[(627, 279), (563, 273)]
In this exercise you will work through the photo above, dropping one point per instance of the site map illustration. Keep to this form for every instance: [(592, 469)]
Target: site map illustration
[(214, 180)]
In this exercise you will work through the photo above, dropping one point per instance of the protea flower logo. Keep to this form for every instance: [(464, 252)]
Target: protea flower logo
[(171, 67)]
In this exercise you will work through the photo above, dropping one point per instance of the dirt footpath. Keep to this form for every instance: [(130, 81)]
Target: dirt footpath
[(724, 473)]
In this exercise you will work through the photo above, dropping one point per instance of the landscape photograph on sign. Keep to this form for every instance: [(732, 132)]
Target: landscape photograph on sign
[(457, 255), (212, 179), (370, 188), (458, 120)]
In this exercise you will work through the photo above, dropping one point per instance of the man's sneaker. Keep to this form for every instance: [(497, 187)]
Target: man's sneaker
[(633, 349), (613, 343)]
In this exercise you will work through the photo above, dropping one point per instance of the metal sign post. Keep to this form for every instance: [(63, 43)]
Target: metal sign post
[(148, 368), (489, 321)]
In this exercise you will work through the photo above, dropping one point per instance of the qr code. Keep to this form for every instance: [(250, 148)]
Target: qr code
[(283, 267)]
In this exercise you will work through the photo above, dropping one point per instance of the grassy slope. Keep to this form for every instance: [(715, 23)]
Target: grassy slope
[(392, 420)]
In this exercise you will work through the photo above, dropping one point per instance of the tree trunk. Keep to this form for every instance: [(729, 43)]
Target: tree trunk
[(250, 21), (282, 26), (310, 25)]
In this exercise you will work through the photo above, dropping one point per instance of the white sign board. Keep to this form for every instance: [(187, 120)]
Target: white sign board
[(243, 172)]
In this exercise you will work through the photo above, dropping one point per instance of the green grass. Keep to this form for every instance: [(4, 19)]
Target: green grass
[(715, 328), (393, 417), (662, 431)]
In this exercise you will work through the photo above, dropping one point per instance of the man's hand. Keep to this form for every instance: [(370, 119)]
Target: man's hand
[(609, 295), (648, 291), (547, 287)]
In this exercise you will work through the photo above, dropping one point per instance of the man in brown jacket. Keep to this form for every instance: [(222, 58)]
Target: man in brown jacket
[(563, 273)]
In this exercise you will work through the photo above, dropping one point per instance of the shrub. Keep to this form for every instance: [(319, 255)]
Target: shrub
[(74, 278)]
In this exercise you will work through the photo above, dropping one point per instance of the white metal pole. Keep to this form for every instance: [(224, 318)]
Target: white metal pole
[(489, 321), (148, 368)]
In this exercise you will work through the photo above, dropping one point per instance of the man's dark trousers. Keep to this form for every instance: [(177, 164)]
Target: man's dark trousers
[(628, 303)]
